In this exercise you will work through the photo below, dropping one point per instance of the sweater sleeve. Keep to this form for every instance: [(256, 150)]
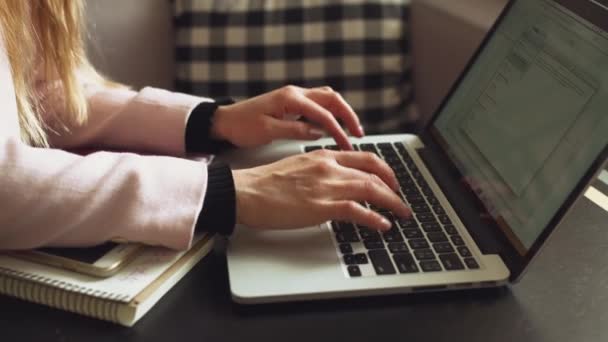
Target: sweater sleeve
[(150, 120), (219, 214), (51, 197)]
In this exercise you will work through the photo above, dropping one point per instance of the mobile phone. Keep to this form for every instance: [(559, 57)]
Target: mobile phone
[(100, 261)]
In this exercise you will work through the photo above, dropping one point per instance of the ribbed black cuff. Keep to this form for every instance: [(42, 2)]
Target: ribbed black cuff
[(219, 208), (198, 128)]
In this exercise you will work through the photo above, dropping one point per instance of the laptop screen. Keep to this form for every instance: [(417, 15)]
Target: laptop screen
[(531, 115)]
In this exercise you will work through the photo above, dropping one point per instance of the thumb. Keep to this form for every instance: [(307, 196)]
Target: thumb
[(287, 129)]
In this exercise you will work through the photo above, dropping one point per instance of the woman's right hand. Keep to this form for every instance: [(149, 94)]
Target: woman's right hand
[(312, 188)]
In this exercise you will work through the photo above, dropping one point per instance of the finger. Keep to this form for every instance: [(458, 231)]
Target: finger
[(351, 211), (369, 188), (335, 103), (370, 163), (316, 113), (282, 129)]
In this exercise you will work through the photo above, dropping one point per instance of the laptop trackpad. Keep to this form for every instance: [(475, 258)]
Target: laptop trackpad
[(302, 248), (281, 261)]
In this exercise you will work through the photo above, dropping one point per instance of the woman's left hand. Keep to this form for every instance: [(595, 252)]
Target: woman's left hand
[(268, 117)]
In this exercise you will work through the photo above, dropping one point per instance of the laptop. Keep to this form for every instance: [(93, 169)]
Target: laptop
[(516, 142)]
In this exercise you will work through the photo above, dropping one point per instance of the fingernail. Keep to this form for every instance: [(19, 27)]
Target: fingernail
[(386, 223), (315, 132), (361, 130)]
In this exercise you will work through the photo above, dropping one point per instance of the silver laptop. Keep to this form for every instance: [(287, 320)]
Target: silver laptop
[(514, 145)]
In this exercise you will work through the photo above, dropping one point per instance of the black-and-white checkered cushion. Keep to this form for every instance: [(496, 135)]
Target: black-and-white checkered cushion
[(243, 48)]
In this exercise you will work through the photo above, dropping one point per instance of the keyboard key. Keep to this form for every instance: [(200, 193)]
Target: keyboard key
[(343, 227), (436, 237), (390, 154), (346, 248), (408, 223), (418, 244), (416, 200), (402, 173), (420, 208), (451, 261), (424, 254), (369, 235), (450, 229), (463, 251), (332, 147), (457, 240), (413, 233), (432, 200), (471, 263), (385, 146), (368, 148), (401, 148), (426, 190), (400, 170), (444, 219), (430, 266), (312, 148), (397, 247), (381, 262), (443, 247), (406, 157), (411, 191), (392, 161), (438, 210), (422, 183), (393, 236), (373, 244), (408, 183), (431, 227), (361, 258), (349, 259), (426, 217), (347, 237), (416, 173), (405, 263), (354, 271)]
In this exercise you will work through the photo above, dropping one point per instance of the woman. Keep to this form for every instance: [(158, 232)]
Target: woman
[(52, 100)]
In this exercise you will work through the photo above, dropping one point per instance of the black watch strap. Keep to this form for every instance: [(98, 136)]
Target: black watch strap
[(198, 128)]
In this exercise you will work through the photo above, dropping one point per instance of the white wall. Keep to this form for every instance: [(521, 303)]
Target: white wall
[(445, 33), (132, 40)]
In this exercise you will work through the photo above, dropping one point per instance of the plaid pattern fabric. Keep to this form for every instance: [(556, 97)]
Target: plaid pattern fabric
[(242, 48)]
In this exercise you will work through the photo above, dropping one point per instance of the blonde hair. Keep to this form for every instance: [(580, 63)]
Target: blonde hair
[(45, 36)]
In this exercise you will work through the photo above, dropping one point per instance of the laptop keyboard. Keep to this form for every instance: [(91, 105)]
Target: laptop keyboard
[(425, 242)]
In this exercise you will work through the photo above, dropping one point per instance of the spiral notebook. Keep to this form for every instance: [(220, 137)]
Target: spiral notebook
[(123, 298)]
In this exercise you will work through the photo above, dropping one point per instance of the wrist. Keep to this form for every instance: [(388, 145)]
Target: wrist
[(220, 128), (242, 195)]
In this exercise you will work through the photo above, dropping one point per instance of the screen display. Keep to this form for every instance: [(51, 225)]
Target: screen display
[(88, 255), (531, 115)]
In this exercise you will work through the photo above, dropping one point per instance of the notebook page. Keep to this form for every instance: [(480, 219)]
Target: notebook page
[(123, 286)]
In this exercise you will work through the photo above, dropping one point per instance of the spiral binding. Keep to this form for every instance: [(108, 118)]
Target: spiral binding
[(62, 295), (64, 285)]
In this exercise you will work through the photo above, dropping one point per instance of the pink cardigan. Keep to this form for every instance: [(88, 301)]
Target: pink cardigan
[(52, 197)]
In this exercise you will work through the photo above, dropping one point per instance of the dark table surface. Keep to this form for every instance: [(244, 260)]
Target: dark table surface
[(564, 297)]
